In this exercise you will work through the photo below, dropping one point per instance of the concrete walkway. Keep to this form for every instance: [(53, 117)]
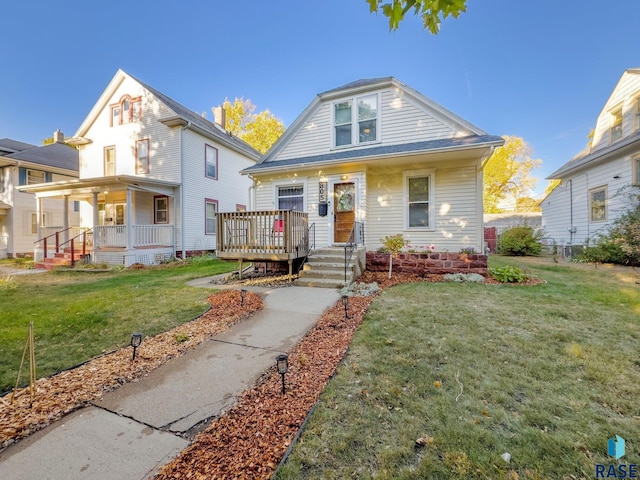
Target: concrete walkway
[(134, 430)]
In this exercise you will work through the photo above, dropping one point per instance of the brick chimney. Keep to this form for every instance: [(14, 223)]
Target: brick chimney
[(58, 136), (219, 116)]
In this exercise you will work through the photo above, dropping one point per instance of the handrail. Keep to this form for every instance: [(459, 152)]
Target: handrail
[(83, 234), (355, 236), (310, 245), (57, 235)]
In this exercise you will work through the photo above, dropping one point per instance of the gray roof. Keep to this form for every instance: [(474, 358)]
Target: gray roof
[(201, 122), (56, 155), (585, 157), (429, 146), (11, 146), (363, 82)]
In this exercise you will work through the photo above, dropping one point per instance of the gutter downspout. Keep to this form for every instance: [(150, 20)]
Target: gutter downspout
[(182, 209), (480, 188), (252, 193), (571, 228)]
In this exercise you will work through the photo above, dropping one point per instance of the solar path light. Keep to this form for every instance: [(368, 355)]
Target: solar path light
[(136, 340), (243, 292), (345, 302), (282, 364)]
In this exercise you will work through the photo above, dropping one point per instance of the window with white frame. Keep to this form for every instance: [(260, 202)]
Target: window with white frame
[(2, 180), (598, 204), (210, 210), (161, 209), (290, 197), (637, 106), (127, 110), (356, 126), (142, 156), (418, 194), (109, 161), (211, 161), (616, 125), (636, 171)]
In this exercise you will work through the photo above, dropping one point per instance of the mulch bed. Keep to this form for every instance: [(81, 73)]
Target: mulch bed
[(250, 439), (69, 390)]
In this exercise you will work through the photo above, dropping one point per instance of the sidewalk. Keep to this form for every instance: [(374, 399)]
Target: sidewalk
[(131, 432)]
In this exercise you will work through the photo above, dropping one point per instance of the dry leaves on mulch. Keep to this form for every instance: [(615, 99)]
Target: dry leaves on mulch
[(66, 391)]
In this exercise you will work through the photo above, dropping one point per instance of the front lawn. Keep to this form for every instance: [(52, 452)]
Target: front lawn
[(447, 380), (78, 315)]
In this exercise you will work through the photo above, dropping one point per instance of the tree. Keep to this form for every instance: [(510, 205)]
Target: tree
[(259, 130), (551, 186), (507, 174), (431, 11)]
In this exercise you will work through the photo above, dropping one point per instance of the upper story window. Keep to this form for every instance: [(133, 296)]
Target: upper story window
[(142, 156), (126, 111), (598, 204), (109, 161), (616, 125), (211, 161), (35, 176), (356, 121), (2, 177), (637, 112)]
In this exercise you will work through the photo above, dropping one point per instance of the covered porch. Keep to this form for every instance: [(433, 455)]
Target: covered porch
[(267, 235), (123, 220)]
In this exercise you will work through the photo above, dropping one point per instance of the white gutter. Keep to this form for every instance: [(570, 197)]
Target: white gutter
[(182, 209)]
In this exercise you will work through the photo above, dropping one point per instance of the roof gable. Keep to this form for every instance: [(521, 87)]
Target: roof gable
[(56, 155), (405, 116), (8, 146)]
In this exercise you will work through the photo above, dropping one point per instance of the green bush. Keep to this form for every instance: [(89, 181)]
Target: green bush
[(520, 241), (393, 243), (508, 274), (464, 277)]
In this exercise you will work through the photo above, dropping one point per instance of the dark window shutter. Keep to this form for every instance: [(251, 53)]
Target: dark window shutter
[(22, 176)]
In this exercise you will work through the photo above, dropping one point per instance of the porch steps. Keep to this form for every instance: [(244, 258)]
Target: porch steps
[(59, 259), (325, 269)]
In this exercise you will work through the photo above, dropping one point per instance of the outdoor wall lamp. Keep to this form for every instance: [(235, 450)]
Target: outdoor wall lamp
[(345, 302), (136, 340), (243, 292), (282, 364)]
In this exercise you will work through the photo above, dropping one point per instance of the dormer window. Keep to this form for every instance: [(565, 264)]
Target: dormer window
[(356, 126), (616, 125), (128, 110)]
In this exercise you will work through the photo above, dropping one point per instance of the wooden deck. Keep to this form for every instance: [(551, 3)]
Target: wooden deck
[(269, 235)]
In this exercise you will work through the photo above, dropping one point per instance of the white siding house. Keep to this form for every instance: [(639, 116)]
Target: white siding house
[(382, 154), (24, 164), (593, 187), (153, 175)]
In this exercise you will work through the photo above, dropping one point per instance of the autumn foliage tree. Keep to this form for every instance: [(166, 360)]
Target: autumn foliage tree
[(432, 12), (259, 130), (507, 175)]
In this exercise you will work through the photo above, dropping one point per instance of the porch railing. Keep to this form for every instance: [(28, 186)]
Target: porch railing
[(356, 237), (58, 238), (143, 235), (268, 233)]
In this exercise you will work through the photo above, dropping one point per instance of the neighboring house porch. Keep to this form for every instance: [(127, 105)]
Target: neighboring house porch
[(133, 220)]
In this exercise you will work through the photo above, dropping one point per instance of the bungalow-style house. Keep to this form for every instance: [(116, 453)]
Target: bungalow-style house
[(153, 175), (369, 159), (591, 193), (22, 220)]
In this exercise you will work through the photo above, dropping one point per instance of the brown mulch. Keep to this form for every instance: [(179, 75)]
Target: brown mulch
[(69, 390), (249, 440)]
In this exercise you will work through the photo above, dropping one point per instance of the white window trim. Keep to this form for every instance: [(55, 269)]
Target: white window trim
[(635, 169), (606, 203), (32, 172), (291, 183), (427, 172), (636, 112), (208, 147), (612, 116), (217, 204), (354, 121)]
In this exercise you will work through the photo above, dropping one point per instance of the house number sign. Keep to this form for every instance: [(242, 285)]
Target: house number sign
[(322, 187)]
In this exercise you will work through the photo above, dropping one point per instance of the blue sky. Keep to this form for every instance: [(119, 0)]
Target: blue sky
[(538, 69)]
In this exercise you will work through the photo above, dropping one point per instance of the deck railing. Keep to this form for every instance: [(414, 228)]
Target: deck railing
[(268, 234)]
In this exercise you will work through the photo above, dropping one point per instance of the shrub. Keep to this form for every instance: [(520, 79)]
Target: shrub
[(468, 250), (508, 274), (520, 241), (393, 243), (464, 277)]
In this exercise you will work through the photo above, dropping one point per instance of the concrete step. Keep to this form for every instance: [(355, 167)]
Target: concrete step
[(319, 283), (326, 274), (338, 267)]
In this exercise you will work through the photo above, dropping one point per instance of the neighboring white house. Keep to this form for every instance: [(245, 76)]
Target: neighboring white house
[(379, 153), (153, 175), (26, 164), (592, 192)]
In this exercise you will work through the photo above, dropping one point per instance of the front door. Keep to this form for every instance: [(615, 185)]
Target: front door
[(344, 210)]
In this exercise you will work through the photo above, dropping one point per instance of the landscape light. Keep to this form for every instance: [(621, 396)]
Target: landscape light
[(345, 302), (243, 292), (282, 364), (136, 340)]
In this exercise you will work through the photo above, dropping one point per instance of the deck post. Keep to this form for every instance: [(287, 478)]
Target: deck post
[(239, 269), (290, 270)]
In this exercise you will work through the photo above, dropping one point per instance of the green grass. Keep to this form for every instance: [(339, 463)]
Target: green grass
[(546, 373), (78, 315)]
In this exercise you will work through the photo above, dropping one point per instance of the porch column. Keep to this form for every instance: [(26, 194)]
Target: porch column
[(65, 218), (95, 221), (39, 216), (130, 239)]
